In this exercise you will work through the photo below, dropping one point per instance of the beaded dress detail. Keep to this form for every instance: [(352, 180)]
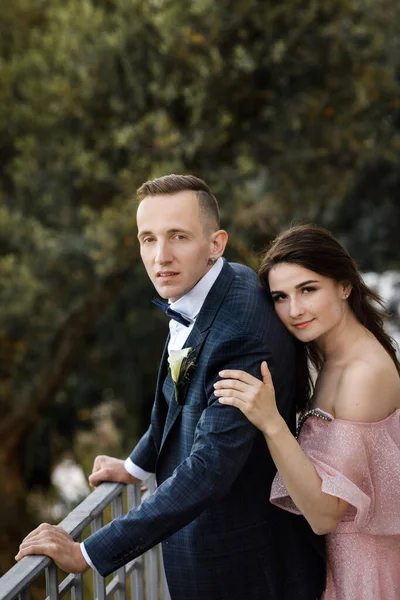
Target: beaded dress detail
[(360, 463)]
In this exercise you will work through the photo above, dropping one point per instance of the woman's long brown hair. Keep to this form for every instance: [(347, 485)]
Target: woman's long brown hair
[(316, 249)]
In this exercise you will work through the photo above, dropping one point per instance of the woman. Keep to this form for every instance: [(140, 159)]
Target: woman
[(343, 473)]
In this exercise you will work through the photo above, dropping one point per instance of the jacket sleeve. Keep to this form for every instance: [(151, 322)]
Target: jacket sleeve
[(144, 454), (222, 443)]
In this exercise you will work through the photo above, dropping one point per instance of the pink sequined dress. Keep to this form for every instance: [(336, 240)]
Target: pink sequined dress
[(360, 463)]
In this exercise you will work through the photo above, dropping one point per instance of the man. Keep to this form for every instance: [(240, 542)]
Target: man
[(222, 539)]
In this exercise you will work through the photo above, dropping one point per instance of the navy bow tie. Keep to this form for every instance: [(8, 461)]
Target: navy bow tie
[(173, 314)]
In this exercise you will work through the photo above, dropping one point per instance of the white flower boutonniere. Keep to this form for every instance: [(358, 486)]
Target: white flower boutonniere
[(180, 365)]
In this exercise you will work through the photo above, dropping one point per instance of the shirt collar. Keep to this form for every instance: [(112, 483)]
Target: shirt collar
[(190, 304)]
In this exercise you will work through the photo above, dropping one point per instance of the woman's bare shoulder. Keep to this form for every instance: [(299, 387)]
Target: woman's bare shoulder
[(369, 389)]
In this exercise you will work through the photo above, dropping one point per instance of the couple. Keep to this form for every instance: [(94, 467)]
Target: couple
[(222, 537)]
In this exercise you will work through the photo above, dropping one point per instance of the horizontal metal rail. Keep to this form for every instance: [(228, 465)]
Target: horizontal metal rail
[(145, 573)]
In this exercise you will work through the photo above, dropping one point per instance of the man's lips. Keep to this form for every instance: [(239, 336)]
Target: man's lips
[(166, 274), (303, 324)]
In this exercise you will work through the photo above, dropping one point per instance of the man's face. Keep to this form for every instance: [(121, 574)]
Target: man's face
[(173, 243)]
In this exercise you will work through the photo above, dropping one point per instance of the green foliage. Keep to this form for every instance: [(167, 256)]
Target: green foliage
[(290, 110)]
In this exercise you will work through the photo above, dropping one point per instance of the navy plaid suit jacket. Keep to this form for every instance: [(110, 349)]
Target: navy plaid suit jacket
[(222, 539)]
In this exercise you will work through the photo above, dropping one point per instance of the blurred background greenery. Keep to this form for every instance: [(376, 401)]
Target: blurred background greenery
[(289, 109)]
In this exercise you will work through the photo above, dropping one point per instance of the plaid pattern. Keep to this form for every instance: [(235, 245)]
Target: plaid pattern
[(222, 539)]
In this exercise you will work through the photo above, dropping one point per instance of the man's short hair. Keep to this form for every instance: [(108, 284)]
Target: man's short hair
[(173, 184)]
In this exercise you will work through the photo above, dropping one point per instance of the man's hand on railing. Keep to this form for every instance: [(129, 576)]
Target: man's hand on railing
[(107, 468), (55, 542)]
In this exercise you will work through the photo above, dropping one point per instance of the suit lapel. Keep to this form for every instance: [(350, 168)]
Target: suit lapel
[(161, 411), (163, 370), (196, 340)]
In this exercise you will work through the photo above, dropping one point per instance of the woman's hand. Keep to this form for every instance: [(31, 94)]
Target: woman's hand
[(255, 398)]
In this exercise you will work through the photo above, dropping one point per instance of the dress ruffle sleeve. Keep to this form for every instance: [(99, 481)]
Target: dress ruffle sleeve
[(357, 462)]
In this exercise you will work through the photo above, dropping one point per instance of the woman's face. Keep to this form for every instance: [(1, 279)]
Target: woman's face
[(307, 303)]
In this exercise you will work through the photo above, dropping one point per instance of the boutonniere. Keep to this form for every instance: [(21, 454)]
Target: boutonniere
[(181, 362)]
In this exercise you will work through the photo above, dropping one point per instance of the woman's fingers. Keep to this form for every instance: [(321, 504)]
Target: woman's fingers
[(230, 375), (228, 393), (265, 373), (237, 374), (232, 401), (242, 390), (233, 384), (248, 396), (245, 406)]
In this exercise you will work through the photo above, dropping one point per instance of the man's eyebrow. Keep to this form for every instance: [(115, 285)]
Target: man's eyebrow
[(178, 230), (169, 231), (299, 285)]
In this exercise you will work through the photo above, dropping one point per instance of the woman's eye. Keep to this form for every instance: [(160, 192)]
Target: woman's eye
[(278, 297), (307, 290)]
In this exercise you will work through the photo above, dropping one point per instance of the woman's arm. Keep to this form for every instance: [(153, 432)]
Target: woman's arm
[(256, 400)]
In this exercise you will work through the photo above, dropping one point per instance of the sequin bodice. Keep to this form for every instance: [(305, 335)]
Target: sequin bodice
[(314, 412)]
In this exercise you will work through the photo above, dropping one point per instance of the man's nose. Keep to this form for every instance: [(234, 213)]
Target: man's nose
[(163, 253)]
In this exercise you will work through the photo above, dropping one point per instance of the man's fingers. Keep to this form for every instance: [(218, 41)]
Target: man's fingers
[(37, 532), (98, 477), (37, 546), (54, 541), (46, 539), (112, 470), (45, 532), (106, 474), (27, 550), (99, 462)]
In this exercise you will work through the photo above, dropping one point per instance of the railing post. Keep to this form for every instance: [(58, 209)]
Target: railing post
[(15, 583), (77, 589), (52, 582), (98, 581), (24, 595)]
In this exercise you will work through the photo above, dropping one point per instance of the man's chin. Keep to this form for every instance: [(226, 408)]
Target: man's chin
[(168, 293), (163, 294)]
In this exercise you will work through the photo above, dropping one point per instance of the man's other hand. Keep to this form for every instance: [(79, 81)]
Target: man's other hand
[(55, 542), (107, 468)]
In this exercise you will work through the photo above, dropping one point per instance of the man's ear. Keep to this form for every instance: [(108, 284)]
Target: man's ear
[(218, 243)]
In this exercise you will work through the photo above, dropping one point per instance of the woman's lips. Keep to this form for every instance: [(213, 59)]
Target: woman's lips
[(303, 325)]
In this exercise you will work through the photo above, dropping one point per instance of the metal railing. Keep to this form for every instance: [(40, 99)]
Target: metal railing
[(141, 579)]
